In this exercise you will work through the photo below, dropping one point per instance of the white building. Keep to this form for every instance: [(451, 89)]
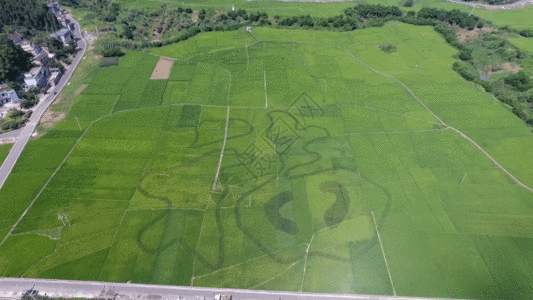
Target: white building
[(8, 96), (64, 35), (36, 77)]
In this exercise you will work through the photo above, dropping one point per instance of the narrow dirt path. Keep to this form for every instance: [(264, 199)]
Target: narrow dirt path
[(222, 151), (436, 117)]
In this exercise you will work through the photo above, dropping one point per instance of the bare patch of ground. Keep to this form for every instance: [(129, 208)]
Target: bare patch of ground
[(510, 68), (80, 89), (49, 119), (162, 68), (464, 35), (194, 16), (157, 32), (7, 141)]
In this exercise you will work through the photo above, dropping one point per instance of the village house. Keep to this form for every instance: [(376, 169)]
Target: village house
[(36, 77), (41, 59), (8, 96), (55, 75), (64, 35), (53, 7), (65, 22), (15, 37), (31, 48)]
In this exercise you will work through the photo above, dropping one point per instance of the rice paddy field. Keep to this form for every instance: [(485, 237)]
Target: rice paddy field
[(283, 160), (4, 151), (523, 43)]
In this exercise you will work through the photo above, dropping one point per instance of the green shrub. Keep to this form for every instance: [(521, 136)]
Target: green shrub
[(527, 32), (409, 3), (466, 70), (520, 81), (388, 48)]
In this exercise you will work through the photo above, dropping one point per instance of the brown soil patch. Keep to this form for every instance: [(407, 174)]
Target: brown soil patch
[(157, 32), (510, 68), (49, 119), (80, 89), (162, 68), (194, 16), (464, 35)]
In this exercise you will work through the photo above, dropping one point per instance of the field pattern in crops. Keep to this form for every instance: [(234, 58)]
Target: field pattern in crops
[(269, 164)]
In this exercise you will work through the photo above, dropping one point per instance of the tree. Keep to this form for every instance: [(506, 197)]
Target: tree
[(201, 14), (520, 81), (465, 54), (527, 32), (409, 3), (306, 21), (128, 32), (13, 60), (71, 48), (28, 13)]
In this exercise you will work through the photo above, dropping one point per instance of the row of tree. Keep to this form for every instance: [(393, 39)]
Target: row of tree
[(13, 60), (493, 2), (33, 14), (453, 17)]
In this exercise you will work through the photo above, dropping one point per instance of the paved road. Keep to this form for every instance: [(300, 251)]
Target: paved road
[(11, 134), (14, 287), (23, 135), (496, 7)]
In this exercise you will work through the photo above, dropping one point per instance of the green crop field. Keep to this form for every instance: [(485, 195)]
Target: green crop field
[(523, 43), (4, 151), (273, 161)]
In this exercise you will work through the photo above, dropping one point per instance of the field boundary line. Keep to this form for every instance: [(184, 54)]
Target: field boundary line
[(248, 260), (493, 160), (439, 119), (277, 275), (265, 80), (222, 151), (305, 261), (113, 108), (398, 81), (45, 185), (68, 260), (408, 131), (389, 112), (247, 57), (71, 259), (383, 252), (55, 250), (198, 245), (229, 86)]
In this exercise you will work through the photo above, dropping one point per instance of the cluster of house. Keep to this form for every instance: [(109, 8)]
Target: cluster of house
[(40, 75)]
